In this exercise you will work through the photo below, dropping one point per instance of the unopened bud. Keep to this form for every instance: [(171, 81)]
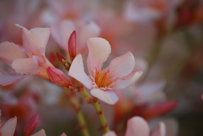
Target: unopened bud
[(58, 77), (72, 45), (31, 125), (60, 58), (159, 109)]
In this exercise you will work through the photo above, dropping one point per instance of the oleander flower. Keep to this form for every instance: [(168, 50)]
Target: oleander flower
[(118, 75), (137, 126), (27, 60)]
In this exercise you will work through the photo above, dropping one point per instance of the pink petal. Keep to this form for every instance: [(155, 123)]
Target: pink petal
[(26, 65), (61, 33), (99, 50), (9, 127), (10, 51), (77, 71), (160, 131), (63, 134), (111, 133), (35, 40), (40, 133), (7, 79), (89, 30), (106, 96), (137, 126), (40, 37), (128, 80), (122, 65)]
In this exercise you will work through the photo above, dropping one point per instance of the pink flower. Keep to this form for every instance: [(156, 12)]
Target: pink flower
[(137, 126), (27, 60), (116, 76)]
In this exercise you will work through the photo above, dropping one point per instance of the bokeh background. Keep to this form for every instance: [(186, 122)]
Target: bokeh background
[(165, 36)]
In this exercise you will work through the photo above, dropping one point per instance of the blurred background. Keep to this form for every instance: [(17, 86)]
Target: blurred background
[(165, 36)]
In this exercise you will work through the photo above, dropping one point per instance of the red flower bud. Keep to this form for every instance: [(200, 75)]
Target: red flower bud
[(58, 77), (72, 45), (60, 58), (31, 125), (159, 109)]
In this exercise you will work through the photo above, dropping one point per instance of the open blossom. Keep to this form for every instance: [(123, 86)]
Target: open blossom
[(27, 60), (137, 126), (116, 76)]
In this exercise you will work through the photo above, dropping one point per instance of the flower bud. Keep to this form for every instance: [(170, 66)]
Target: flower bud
[(60, 58), (58, 77), (72, 45), (31, 125), (159, 109)]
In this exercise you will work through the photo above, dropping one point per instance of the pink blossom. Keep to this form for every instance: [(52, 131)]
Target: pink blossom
[(27, 60), (116, 76), (137, 126)]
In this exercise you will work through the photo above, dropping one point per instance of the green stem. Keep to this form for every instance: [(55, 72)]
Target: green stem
[(95, 102), (75, 104)]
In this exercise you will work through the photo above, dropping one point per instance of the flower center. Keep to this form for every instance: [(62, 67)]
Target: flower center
[(102, 79)]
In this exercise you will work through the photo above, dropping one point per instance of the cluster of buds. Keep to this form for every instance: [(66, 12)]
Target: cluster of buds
[(56, 75)]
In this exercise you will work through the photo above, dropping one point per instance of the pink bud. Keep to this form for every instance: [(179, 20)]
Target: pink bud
[(58, 77), (60, 58), (72, 45), (30, 125), (159, 109)]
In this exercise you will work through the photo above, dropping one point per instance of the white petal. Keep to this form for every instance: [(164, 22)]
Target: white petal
[(128, 80), (106, 96), (26, 65), (10, 51), (111, 133), (40, 133), (9, 127), (77, 71), (137, 126), (160, 131), (122, 65), (7, 79), (99, 50)]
